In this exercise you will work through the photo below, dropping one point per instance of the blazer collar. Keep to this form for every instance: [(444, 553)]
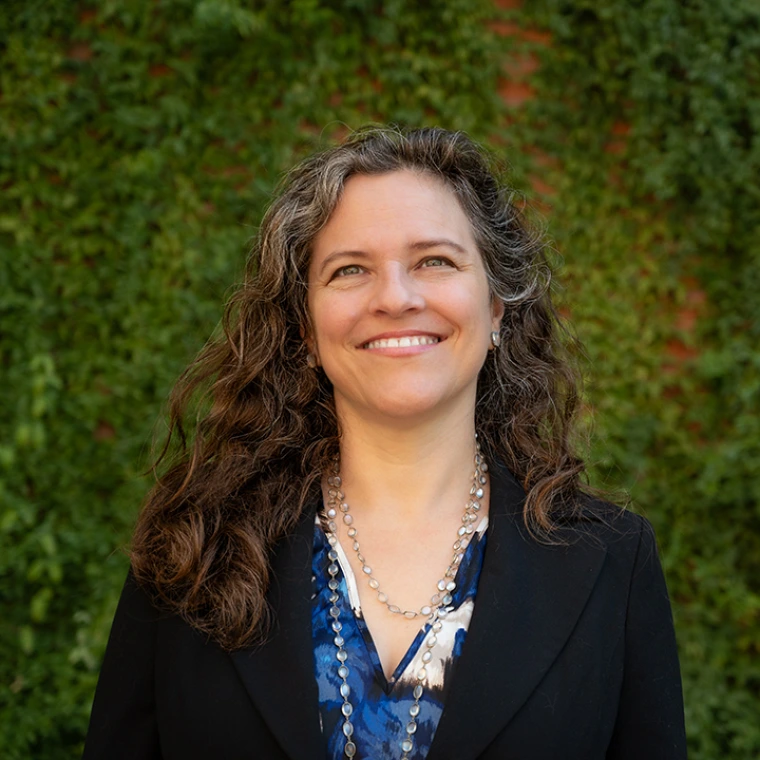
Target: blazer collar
[(279, 675), (529, 599)]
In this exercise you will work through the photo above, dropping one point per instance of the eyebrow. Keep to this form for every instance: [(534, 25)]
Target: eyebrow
[(420, 245), (424, 245)]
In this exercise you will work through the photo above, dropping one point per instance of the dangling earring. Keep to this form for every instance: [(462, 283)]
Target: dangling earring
[(311, 361), (495, 339)]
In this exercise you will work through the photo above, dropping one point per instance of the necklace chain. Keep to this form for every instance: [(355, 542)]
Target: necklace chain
[(439, 602), (336, 504)]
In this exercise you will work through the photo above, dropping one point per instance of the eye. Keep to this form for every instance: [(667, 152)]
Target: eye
[(347, 270), (436, 261)]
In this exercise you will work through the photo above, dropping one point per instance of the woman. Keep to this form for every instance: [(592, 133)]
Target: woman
[(377, 545)]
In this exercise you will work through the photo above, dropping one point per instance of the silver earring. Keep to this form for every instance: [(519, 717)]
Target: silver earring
[(495, 339), (311, 360)]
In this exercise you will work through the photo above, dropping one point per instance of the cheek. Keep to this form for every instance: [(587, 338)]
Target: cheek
[(331, 321), (470, 308)]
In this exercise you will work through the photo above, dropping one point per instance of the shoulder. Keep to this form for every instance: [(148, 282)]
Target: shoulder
[(596, 532), (136, 616), (627, 538), (586, 521), (584, 515), (591, 516)]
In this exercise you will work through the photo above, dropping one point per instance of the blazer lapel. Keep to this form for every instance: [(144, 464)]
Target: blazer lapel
[(279, 675), (529, 599)]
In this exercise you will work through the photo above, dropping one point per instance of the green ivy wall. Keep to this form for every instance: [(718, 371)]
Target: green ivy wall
[(139, 140)]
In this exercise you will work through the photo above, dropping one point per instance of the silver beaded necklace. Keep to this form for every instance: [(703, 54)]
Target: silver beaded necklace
[(437, 609)]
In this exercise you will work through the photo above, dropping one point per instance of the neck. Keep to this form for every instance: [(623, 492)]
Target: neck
[(410, 475)]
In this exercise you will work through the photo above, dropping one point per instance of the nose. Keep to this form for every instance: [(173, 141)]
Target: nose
[(396, 292)]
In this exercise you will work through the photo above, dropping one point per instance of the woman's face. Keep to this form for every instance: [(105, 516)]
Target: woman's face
[(400, 308)]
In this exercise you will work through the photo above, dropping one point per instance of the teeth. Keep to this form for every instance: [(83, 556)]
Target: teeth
[(405, 342)]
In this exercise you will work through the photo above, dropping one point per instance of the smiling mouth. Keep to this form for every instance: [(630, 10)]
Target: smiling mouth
[(404, 342)]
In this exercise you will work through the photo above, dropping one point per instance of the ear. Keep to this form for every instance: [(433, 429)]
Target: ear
[(311, 345), (497, 312)]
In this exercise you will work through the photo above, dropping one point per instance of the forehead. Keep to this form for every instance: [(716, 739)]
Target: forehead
[(396, 209)]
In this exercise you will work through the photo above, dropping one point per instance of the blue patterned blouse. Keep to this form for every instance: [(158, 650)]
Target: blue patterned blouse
[(381, 707)]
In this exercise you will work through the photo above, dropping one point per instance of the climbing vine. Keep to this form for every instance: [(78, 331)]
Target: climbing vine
[(141, 140)]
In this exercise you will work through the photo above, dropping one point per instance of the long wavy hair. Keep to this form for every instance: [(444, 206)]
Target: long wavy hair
[(264, 426)]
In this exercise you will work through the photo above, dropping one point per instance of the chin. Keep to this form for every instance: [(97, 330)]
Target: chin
[(407, 411), (407, 407)]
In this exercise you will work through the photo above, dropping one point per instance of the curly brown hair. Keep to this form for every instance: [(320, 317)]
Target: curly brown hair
[(269, 429)]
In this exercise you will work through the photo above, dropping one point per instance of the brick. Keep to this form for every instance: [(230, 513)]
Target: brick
[(540, 186), (81, 52), (515, 93), (678, 350), (158, 70), (521, 66)]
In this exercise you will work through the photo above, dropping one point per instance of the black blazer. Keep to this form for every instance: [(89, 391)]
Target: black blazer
[(570, 655)]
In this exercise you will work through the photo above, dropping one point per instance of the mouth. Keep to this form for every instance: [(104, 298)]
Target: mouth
[(405, 341)]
